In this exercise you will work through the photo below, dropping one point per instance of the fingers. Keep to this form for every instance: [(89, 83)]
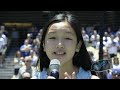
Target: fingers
[(73, 75), (67, 76)]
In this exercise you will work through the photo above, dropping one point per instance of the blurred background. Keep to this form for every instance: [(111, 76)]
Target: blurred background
[(100, 30)]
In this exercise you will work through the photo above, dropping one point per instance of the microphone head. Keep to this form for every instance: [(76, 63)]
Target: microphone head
[(54, 68), (54, 64), (55, 61)]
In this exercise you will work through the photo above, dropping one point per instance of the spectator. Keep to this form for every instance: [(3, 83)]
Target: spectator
[(26, 75), (116, 64), (25, 48), (17, 62), (106, 39), (36, 46), (112, 49), (29, 38), (27, 68), (2, 47), (34, 58), (85, 38), (95, 39), (2, 28)]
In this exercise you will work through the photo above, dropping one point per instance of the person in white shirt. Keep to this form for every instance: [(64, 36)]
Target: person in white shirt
[(106, 39), (112, 49), (17, 62), (95, 38), (85, 37), (117, 39), (2, 46), (27, 68)]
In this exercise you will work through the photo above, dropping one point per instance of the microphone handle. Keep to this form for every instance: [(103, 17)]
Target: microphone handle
[(55, 74)]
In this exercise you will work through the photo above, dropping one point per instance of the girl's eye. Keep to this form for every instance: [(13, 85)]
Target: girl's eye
[(68, 38), (52, 38)]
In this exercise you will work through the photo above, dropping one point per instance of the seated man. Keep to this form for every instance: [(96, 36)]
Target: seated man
[(27, 68)]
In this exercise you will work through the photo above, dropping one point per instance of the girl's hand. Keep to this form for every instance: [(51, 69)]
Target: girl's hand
[(67, 76)]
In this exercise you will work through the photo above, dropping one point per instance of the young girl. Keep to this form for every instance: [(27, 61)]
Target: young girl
[(62, 40)]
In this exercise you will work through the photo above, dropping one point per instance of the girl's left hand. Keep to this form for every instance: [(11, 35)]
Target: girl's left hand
[(67, 76)]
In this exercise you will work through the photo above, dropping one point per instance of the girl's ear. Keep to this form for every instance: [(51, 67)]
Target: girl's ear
[(78, 46)]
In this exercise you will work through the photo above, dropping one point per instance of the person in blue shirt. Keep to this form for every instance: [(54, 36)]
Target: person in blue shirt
[(62, 40)]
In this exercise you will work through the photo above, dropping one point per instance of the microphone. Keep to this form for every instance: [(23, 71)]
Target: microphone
[(54, 68)]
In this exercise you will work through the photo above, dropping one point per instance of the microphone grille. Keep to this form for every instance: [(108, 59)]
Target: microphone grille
[(55, 61)]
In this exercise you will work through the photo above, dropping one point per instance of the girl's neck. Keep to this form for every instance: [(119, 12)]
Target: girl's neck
[(67, 67)]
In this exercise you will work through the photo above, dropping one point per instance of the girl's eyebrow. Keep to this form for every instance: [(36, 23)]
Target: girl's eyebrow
[(69, 32), (52, 32), (66, 30)]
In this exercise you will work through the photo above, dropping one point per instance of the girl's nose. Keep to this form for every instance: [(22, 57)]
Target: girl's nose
[(60, 45)]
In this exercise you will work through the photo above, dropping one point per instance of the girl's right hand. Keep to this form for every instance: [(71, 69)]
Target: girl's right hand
[(67, 76)]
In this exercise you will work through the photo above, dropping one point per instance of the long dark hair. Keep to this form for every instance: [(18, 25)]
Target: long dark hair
[(81, 58)]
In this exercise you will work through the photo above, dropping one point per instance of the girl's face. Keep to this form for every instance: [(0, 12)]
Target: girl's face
[(60, 42)]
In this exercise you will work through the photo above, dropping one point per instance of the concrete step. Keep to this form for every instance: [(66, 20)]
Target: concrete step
[(6, 70), (9, 64), (9, 61), (5, 67), (6, 74), (6, 77)]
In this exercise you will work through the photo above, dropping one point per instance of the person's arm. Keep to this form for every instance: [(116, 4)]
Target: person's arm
[(22, 48), (15, 61)]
